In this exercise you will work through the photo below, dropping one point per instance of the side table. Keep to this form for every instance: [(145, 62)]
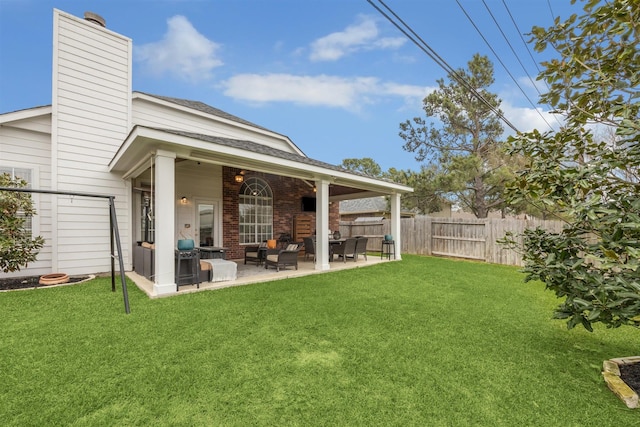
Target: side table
[(388, 248)]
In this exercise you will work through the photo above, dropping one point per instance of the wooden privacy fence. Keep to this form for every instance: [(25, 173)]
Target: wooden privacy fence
[(459, 238)]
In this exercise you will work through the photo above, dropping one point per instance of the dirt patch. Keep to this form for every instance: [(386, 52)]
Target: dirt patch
[(630, 374), (27, 282)]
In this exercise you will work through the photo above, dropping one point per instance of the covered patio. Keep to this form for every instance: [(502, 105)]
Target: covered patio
[(181, 169), (250, 273)]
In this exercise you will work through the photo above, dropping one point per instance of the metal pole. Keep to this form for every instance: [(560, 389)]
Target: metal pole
[(111, 233), (125, 294)]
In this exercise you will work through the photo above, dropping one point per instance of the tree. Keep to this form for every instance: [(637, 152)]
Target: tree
[(466, 147), (17, 247), (592, 182), (424, 199), (366, 166)]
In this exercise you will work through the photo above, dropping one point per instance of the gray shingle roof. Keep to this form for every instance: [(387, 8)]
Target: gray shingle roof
[(254, 147), (369, 204)]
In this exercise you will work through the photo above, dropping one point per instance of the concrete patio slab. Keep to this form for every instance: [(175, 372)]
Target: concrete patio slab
[(251, 273)]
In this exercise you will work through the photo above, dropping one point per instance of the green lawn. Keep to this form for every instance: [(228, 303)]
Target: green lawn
[(422, 342)]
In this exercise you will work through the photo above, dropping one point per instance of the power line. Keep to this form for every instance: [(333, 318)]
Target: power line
[(500, 60), (422, 45), (521, 38), (553, 15), (506, 39), (526, 45)]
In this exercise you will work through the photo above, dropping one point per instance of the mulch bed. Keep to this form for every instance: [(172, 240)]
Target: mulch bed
[(630, 374), (31, 282)]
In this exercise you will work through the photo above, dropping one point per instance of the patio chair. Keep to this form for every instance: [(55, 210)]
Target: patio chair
[(281, 258), (348, 248), (309, 248), (255, 253), (361, 247)]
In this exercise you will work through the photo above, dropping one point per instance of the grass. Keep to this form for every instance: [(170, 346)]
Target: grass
[(425, 341)]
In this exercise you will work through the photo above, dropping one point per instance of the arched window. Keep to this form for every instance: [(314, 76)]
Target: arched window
[(256, 211)]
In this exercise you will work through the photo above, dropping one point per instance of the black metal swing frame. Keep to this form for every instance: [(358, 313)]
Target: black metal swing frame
[(116, 246)]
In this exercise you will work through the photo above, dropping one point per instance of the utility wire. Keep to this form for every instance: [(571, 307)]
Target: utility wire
[(526, 45), (422, 45), (501, 62), (521, 38), (519, 61), (504, 36), (553, 15)]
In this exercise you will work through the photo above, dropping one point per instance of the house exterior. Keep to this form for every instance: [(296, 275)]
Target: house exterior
[(177, 168)]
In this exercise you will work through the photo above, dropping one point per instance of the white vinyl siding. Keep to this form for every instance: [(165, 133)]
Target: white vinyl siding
[(160, 116), (91, 119), (25, 146), (196, 181)]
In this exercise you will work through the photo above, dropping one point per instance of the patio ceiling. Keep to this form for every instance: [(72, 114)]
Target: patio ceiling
[(133, 158)]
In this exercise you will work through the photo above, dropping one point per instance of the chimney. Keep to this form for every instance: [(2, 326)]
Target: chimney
[(95, 18)]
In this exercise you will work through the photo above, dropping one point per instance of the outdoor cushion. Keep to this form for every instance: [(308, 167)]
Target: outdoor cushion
[(292, 247)]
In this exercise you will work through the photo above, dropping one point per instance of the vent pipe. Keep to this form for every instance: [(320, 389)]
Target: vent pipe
[(95, 18)]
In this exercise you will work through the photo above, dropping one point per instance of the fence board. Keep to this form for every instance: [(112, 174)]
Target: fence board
[(453, 237)]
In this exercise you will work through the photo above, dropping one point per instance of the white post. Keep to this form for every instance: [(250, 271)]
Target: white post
[(164, 212), (322, 225), (395, 224)]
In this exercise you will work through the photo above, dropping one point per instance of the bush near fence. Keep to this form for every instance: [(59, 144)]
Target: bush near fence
[(453, 237)]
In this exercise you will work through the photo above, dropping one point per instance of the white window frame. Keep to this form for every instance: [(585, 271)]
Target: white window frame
[(255, 196), (35, 197)]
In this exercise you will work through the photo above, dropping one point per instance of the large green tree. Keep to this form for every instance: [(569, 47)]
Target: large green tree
[(365, 165), (17, 246), (592, 182), (460, 136), (425, 198)]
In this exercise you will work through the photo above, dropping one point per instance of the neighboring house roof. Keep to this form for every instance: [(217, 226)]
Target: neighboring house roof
[(367, 205)]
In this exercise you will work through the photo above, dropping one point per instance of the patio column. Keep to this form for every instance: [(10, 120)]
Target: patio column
[(164, 212), (395, 223), (322, 225)]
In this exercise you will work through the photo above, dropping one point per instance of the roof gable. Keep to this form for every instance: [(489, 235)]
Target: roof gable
[(207, 111), (205, 108), (28, 113)]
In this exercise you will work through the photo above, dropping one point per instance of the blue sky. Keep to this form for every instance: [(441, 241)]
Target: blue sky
[(333, 75)]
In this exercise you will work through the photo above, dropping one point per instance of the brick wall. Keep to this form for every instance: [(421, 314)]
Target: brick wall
[(287, 194)]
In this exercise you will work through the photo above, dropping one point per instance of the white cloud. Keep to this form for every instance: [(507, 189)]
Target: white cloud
[(526, 119), (530, 82), (363, 35), (183, 52), (323, 90)]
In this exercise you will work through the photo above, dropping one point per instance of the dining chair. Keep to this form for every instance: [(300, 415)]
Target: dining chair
[(361, 247), (347, 248), (309, 248)]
